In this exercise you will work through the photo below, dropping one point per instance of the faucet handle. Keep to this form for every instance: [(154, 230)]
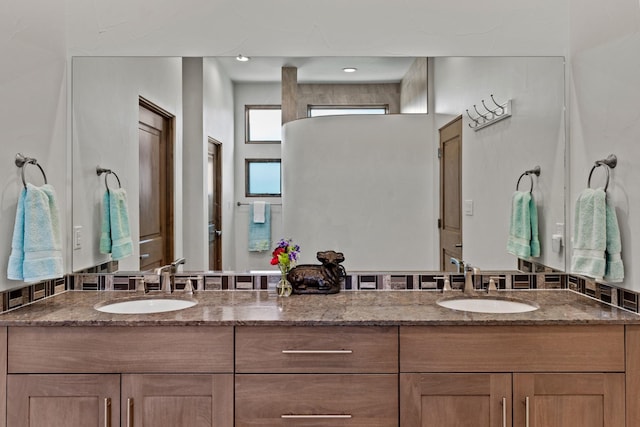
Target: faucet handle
[(447, 283), (140, 285), (188, 287)]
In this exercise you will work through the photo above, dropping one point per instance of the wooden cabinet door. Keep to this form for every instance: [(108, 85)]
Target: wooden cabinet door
[(455, 400), (63, 400), (569, 400), (177, 400)]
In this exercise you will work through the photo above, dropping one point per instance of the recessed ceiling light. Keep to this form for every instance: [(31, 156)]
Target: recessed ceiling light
[(242, 58), (350, 69)]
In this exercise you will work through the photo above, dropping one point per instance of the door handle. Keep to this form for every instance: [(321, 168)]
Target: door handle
[(526, 413), (504, 412), (107, 412), (130, 412), (458, 245)]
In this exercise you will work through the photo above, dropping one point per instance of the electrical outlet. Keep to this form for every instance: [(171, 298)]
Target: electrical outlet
[(77, 237)]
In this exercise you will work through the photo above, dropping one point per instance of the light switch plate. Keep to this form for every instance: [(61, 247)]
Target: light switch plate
[(468, 207), (77, 237)]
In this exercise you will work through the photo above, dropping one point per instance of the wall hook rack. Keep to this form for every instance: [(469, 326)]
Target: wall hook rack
[(490, 115)]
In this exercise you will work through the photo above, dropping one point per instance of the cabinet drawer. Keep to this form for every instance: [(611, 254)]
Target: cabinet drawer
[(282, 349), (314, 400), (120, 349), (594, 348)]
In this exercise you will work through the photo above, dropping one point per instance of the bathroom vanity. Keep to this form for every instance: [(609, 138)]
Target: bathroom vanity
[(383, 358)]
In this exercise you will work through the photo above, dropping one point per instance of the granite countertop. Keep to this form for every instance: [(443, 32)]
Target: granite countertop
[(375, 308)]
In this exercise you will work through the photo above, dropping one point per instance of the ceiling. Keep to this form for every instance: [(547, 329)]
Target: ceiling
[(323, 69)]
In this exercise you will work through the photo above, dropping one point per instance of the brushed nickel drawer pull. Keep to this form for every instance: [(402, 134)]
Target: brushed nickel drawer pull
[(130, 412), (504, 412), (107, 412), (318, 416), (526, 404), (317, 351)]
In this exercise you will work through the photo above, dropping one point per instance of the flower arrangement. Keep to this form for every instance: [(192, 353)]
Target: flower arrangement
[(285, 256)]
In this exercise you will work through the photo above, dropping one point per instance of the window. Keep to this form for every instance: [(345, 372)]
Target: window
[(263, 123), (338, 110), (262, 178)]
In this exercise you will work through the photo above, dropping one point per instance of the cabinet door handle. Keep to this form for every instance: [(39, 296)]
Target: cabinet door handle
[(107, 412), (130, 412), (316, 416), (317, 351), (526, 413), (504, 412)]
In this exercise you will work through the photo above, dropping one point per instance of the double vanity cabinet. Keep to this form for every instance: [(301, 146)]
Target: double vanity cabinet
[(248, 373)]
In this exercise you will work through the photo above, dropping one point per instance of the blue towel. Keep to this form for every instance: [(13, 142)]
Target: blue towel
[(596, 238), (36, 248), (115, 237), (523, 227), (260, 232)]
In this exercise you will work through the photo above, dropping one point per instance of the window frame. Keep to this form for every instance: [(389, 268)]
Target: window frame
[(247, 177), (346, 107), (247, 110)]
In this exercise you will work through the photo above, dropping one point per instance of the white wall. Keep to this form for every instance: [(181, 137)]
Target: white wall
[(326, 28), (361, 185), (105, 132), (605, 118), (33, 110), (493, 158), (253, 94), (219, 124)]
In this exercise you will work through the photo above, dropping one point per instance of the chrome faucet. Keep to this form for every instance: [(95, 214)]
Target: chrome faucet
[(458, 263), (165, 272), (164, 277), (469, 288), (175, 264)]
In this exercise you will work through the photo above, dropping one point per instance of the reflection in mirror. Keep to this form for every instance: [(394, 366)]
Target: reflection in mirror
[(368, 186)]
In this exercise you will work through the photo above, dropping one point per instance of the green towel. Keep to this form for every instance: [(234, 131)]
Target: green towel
[(614, 268), (523, 227), (115, 237), (36, 247), (596, 238), (260, 232)]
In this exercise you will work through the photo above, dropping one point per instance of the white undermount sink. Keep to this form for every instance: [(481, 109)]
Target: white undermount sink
[(146, 306), (487, 305)]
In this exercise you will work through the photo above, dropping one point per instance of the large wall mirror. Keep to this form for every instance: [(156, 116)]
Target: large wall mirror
[(367, 185)]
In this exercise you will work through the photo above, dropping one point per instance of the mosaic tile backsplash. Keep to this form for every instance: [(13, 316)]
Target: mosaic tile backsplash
[(535, 278)]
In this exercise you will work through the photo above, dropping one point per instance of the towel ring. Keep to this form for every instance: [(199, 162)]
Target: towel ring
[(22, 161), (535, 171), (107, 172), (606, 185), (610, 162)]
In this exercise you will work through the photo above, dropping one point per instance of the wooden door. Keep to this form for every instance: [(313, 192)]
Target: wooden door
[(215, 204), (177, 400), (155, 138), (450, 222), (569, 400), (455, 400), (63, 400)]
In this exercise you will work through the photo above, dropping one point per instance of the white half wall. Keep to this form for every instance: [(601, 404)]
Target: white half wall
[(361, 185)]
